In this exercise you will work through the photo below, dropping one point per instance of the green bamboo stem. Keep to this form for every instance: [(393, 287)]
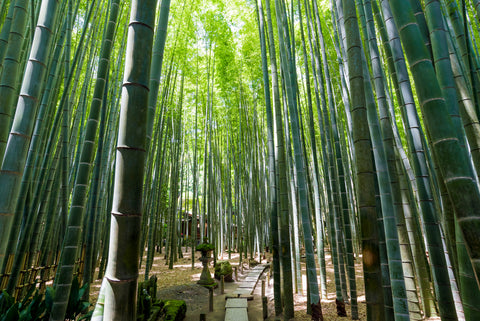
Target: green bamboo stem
[(94, 215), (272, 172), (121, 275), (451, 158), (365, 167), (419, 162), (389, 146), (20, 134), (284, 218), (332, 193), (469, 292), (63, 279), (458, 24), (157, 60), (425, 30), (466, 101), (290, 84), (11, 69), (280, 167), (343, 214), (399, 293), (5, 32)]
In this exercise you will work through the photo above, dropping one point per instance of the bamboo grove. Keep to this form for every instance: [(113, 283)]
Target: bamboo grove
[(341, 128)]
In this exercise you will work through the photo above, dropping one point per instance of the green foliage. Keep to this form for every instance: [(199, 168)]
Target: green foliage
[(6, 301), (189, 241), (76, 304), (147, 294), (150, 286), (205, 247), (32, 307), (163, 199), (223, 268), (173, 310), (149, 308), (36, 306), (144, 305)]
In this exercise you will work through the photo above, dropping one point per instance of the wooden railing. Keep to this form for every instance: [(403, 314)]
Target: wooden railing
[(37, 275)]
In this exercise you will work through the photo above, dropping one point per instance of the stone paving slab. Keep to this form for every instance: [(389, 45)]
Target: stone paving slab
[(240, 291), (249, 297), (247, 284), (236, 303), (236, 314), (243, 293), (254, 274), (248, 290)]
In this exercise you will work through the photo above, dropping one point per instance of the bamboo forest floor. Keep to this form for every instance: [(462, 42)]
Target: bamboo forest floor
[(180, 283)]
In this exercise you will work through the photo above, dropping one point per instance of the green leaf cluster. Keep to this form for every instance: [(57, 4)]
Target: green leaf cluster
[(36, 306), (76, 304), (205, 247), (32, 307), (223, 268), (174, 310)]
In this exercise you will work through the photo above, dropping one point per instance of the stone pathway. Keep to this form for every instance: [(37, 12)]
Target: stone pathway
[(198, 304), (247, 286), (236, 307)]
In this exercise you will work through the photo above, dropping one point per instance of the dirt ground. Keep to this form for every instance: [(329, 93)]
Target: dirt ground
[(180, 283)]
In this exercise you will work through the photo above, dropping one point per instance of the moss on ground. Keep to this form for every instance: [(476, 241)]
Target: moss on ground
[(174, 310)]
